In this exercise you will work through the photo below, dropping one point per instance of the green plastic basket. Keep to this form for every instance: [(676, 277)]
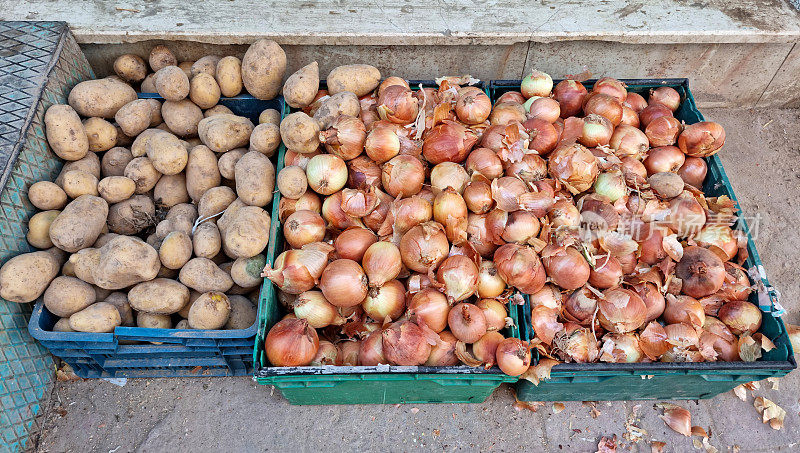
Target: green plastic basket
[(381, 384), (637, 381)]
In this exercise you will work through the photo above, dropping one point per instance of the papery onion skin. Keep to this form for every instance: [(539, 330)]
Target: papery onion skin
[(651, 112), (370, 351), (567, 268), (635, 101), (576, 343), (467, 322), (549, 296), (291, 342), (629, 141), (459, 277), (495, 313), (537, 83), (575, 166), (542, 134), (629, 117), (653, 340), (485, 162), (686, 216), (597, 130), (303, 227), (424, 247), (741, 316), (448, 174), (386, 301), (544, 321), (448, 142), (397, 104), (478, 197), (663, 131), (511, 96), (348, 353), (607, 273), (403, 176), (345, 137), (314, 308), (611, 87), (633, 170), (308, 201), (507, 112), (621, 310), (702, 272), (404, 344), (363, 173), (382, 144), (326, 354), (344, 283), (513, 356), (485, 349), (295, 271), (429, 307), (520, 267), (473, 106), (570, 95), (605, 106), (693, 171), (298, 159), (652, 298), (564, 213), (737, 284), (702, 139), (333, 214), (580, 306), (381, 263), (353, 242), (621, 348), (443, 353), (611, 185), (684, 309)]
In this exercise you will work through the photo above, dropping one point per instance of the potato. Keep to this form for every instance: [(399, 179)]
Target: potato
[(68, 295), (39, 229), (175, 250), (218, 109), (114, 189), (160, 57), (148, 84), (302, 86), (205, 65), (206, 240), (171, 190), (122, 139), (180, 217), (79, 224), (292, 182), (162, 296), (210, 311), (100, 293), (68, 269), (193, 296), (114, 161), (666, 184), (214, 201), (246, 233), (171, 83), (84, 262), (263, 66), (90, 164), (300, 133), (132, 215), (186, 67), (46, 195), (255, 179), (166, 272), (139, 146), (243, 313), (125, 261), (229, 76), (130, 68), (225, 132), (360, 79), (62, 325), (204, 91), (155, 112), (143, 173), (153, 321), (192, 142), (344, 103), (102, 135), (246, 272), (167, 153), (24, 278), (101, 97), (227, 162), (230, 212), (104, 238), (271, 116), (202, 172), (78, 182), (65, 132), (182, 117), (120, 301), (202, 275), (135, 116), (98, 318), (265, 139)]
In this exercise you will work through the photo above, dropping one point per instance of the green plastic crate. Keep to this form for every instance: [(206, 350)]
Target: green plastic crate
[(638, 381), (382, 384)]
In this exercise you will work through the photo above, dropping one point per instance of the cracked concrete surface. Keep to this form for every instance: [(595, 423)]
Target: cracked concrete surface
[(235, 414)]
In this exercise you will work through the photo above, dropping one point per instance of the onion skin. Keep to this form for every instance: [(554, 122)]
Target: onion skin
[(635, 101), (327, 354), (570, 95), (404, 344), (621, 310), (382, 144), (576, 343), (448, 142), (448, 174), (607, 273), (686, 216), (513, 356), (490, 283), (666, 96), (458, 276), (308, 201), (326, 174), (296, 271), (495, 313), (345, 137), (520, 267), (344, 283), (291, 342), (314, 308), (651, 112), (547, 109), (303, 227), (605, 106), (424, 247), (537, 83), (397, 104), (702, 139), (611, 87), (629, 141), (353, 242), (467, 322), (363, 173), (597, 130), (337, 219), (429, 307), (544, 321), (381, 263), (741, 316), (370, 351), (693, 171), (575, 166), (478, 197), (621, 348), (629, 117), (485, 162), (348, 353), (702, 272), (403, 176), (684, 309), (485, 349), (507, 112), (567, 268), (653, 299), (473, 106), (653, 341), (663, 131), (443, 353), (511, 96), (543, 135)]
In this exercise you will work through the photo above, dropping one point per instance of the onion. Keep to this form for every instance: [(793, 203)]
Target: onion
[(720, 239), (607, 273), (666, 96), (629, 141), (506, 191), (303, 227), (418, 282), (485, 349), (621, 310), (718, 328), (597, 215), (348, 353), (495, 313), (620, 348), (327, 354), (353, 242), (478, 197), (448, 141), (296, 271), (345, 137), (574, 166), (663, 159), (701, 271), (628, 263), (403, 176), (444, 352), (424, 247), (629, 117), (741, 317), (308, 201), (450, 210), (652, 298), (570, 95), (544, 321), (605, 106), (547, 109), (430, 308), (507, 112), (633, 170), (681, 335), (542, 134), (693, 171), (576, 343), (580, 306), (385, 302), (382, 144), (686, 216), (485, 162), (363, 173), (653, 341), (459, 278), (314, 308), (564, 213), (448, 174), (407, 213), (397, 104), (405, 344), (536, 84), (530, 169), (549, 296), (473, 106), (359, 203), (370, 351), (635, 101), (611, 185), (737, 284), (520, 267), (344, 283), (611, 87), (663, 131), (297, 159), (467, 322), (522, 227), (651, 249), (326, 174), (684, 309), (490, 283), (392, 81), (291, 342), (381, 263), (332, 212), (513, 356), (510, 96), (651, 112), (597, 130)]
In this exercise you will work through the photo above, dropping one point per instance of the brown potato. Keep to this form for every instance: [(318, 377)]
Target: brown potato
[(302, 86), (225, 132), (243, 313), (114, 161), (204, 91), (130, 68), (360, 79), (202, 275), (120, 301), (206, 240), (202, 172), (214, 201), (24, 278), (155, 112), (39, 229), (161, 57), (271, 116), (344, 103), (175, 250), (79, 224), (104, 238), (265, 139), (84, 263), (180, 217), (205, 65), (132, 215), (186, 67), (229, 76), (125, 261), (122, 139), (255, 179), (135, 116), (300, 133), (167, 153), (292, 182), (218, 109), (227, 162), (143, 173), (78, 182), (62, 325), (66, 134), (153, 320), (161, 296), (263, 67), (210, 311), (68, 295), (114, 189), (97, 318), (182, 117), (172, 83), (139, 146), (193, 296), (171, 190), (100, 97), (100, 293), (246, 272), (245, 233), (46, 195), (148, 84), (102, 134)]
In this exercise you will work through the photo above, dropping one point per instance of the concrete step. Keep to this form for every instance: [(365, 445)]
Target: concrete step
[(736, 53)]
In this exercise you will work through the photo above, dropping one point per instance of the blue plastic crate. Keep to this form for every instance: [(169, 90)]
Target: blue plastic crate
[(130, 352)]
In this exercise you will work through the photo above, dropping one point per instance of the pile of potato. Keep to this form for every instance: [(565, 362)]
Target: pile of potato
[(159, 217)]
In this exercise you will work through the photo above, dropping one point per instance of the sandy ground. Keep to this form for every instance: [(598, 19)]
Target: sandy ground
[(217, 414)]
